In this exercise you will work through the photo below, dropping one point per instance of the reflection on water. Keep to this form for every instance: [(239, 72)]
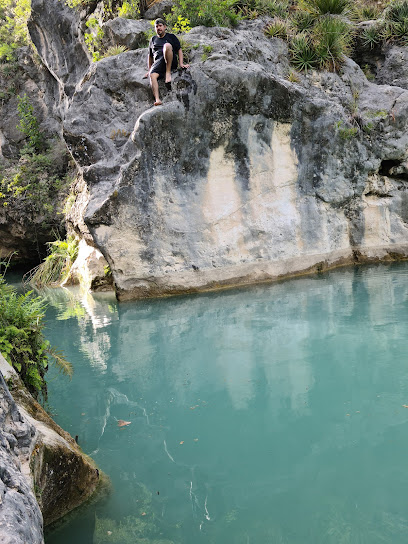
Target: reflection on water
[(273, 414)]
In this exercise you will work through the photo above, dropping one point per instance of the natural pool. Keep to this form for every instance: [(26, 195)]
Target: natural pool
[(268, 415)]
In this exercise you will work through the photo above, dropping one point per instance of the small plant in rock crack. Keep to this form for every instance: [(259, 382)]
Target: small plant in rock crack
[(93, 38), (29, 125), (346, 133), (372, 36), (207, 49), (293, 76), (114, 50)]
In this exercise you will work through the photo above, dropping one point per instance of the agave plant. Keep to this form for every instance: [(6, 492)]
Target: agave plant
[(332, 38), (278, 28), (303, 53), (322, 7), (114, 50), (397, 12), (372, 36), (396, 22), (303, 20)]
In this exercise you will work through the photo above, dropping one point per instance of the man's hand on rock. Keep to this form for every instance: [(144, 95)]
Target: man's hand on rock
[(184, 66)]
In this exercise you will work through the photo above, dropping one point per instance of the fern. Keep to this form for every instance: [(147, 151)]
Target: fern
[(22, 342)]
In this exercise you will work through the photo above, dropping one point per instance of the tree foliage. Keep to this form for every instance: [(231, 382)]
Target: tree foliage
[(13, 26)]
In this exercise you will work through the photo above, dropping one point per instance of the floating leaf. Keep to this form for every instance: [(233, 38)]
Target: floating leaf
[(182, 442), (405, 405), (122, 423)]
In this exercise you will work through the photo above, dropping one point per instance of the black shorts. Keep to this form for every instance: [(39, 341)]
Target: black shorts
[(159, 66)]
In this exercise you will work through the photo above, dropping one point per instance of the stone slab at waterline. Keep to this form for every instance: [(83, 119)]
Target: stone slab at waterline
[(242, 175), (36, 455)]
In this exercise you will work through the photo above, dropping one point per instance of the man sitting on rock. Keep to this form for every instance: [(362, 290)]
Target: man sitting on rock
[(162, 59)]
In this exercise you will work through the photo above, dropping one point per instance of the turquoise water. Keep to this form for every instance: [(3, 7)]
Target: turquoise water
[(273, 414)]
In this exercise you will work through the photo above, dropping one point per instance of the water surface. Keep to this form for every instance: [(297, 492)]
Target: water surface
[(274, 414)]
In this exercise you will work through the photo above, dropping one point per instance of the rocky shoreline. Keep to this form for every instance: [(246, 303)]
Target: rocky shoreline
[(44, 474)]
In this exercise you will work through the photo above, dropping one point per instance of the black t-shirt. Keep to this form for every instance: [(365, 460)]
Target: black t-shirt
[(156, 45)]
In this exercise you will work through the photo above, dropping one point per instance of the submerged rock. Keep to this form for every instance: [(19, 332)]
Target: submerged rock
[(40, 462)]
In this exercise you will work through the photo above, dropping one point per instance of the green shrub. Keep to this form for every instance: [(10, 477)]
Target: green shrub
[(303, 20), (365, 11), (182, 25), (38, 183), (368, 73), (187, 48), (130, 9), (10, 79), (29, 125), (397, 11), (255, 8), (372, 36), (209, 13), (94, 39), (22, 342), (207, 49), (346, 133)]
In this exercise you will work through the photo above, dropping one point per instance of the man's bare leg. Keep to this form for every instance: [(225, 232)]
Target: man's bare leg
[(155, 88), (168, 57)]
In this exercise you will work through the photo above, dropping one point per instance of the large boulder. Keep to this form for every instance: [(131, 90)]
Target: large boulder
[(242, 175), (128, 32), (394, 69), (55, 29)]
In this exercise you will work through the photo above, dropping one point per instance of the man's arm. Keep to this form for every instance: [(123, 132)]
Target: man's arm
[(149, 65), (149, 62), (181, 59)]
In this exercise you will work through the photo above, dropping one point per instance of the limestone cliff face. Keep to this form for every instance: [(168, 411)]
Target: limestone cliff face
[(241, 176), (43, 473)]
